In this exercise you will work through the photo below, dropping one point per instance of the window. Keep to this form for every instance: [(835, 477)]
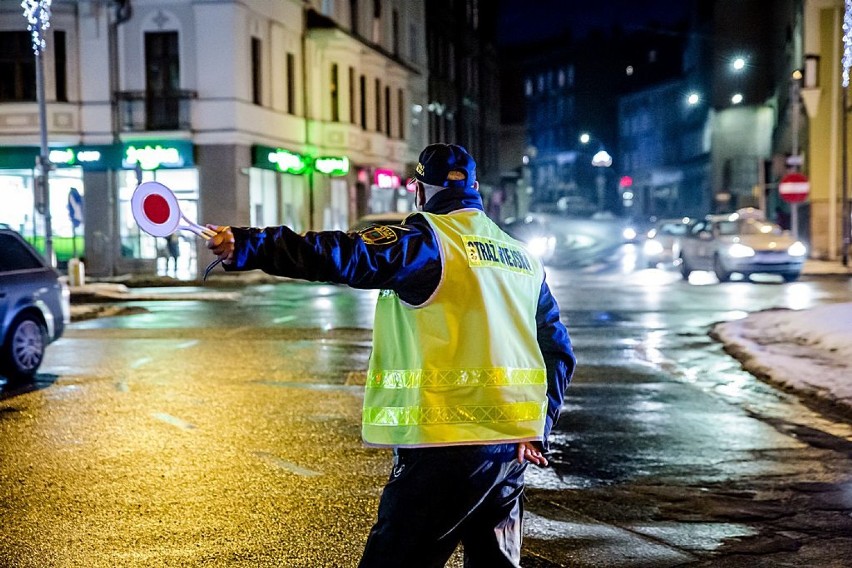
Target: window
[(328, 7), (363, 99), (14, 255), (162, 81), (255, 71), (291, 83), (335, 94), (353, 17), (413, 43), (352, 117), (395, 31), (377, 21), (17, 67), (378, 105), (60, 65), (400, 101), (387, 112)]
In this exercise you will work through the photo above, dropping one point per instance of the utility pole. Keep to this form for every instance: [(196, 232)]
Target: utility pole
[(37, 13)]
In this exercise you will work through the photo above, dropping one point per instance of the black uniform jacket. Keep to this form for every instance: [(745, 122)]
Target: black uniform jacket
[(404, 258)]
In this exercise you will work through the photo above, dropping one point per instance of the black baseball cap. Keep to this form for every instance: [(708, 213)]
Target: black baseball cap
[(446, 165)]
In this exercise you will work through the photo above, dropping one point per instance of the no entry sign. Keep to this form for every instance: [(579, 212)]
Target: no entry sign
[(158, 213), (794, 188)]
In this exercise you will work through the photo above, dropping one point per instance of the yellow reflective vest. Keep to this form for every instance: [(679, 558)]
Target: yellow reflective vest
[(465, 366)]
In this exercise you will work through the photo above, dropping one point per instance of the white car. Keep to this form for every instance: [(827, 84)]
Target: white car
[(742, 242), (662, 245)]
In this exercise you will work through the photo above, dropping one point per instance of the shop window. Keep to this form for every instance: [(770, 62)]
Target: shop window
[(17, 67)]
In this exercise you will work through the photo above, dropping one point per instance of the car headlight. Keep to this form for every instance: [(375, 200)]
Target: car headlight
[(797, 249), (652, 247), (739, 250), (629, 233), (539, 246)]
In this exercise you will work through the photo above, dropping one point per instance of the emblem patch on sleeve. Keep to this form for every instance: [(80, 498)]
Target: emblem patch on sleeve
[(378, 235)]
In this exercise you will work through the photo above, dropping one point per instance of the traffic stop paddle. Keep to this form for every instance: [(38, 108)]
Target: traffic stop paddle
[(156, 210)]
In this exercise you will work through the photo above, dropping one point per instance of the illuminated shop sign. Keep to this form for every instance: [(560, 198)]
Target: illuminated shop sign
[(332, 166), (149, 155), (386, 179), (290, 162), (154, 155), (80, 156)]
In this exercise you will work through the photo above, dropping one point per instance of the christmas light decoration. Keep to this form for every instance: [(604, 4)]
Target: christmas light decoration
[(37, 13), (847, 42)]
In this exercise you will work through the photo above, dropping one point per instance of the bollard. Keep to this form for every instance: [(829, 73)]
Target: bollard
[(76, 272)]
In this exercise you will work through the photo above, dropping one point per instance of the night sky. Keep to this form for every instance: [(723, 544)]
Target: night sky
[(524, 21)]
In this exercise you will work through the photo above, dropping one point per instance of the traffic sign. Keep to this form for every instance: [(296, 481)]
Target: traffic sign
[(157, 212), (794, 188), (75, 207)]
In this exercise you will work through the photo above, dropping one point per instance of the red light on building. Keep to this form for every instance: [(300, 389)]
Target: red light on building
[(625, 181), (386, 179)]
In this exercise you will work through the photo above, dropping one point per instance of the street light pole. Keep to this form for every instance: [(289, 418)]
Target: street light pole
[(37, 13)]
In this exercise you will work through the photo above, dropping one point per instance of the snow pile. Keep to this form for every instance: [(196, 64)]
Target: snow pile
[(809, 351)]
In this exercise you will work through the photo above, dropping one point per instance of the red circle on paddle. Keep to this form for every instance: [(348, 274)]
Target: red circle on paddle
[(156, 208)]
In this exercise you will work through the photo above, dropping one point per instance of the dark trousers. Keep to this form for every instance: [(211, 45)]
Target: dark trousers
[(438, 497)]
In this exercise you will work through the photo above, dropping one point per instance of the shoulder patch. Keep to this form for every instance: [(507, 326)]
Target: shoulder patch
[(378, 235)]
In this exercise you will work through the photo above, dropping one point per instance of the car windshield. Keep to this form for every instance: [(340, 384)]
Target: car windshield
[(749, 227)]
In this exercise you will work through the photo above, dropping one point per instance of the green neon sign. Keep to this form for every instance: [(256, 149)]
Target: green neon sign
[(153, 155), (286, 161), (333, 166), (75, 156)]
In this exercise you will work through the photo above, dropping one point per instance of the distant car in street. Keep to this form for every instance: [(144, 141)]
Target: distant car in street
[(34, 306), (540, 241), (742, 242), (663, 242)]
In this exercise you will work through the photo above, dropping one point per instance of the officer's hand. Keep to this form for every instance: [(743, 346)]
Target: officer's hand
[(530, 452), (222, 243)]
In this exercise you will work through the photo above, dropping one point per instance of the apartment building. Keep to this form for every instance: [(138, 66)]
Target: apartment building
[(254, 112)]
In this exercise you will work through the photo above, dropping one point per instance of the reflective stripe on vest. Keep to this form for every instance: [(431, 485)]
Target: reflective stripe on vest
[(466, 366)]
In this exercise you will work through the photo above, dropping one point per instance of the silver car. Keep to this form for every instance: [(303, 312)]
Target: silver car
[(34, 306), (742, 242), (663, 242)]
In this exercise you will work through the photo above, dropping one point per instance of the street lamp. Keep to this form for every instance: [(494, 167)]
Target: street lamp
[(584, 138), (693, 99), (37, 13), (737, 98), (738, 63)]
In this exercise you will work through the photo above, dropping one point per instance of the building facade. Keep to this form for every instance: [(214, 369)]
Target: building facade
[(823, 97), (252, 112)]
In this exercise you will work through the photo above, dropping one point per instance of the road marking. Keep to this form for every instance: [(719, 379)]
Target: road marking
[(275, 461), (284, 319), (169, 419), (139, 362), (186, 344)]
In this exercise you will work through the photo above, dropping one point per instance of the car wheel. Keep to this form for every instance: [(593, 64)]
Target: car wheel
[(722, 274), (790, 276), (23, 350)]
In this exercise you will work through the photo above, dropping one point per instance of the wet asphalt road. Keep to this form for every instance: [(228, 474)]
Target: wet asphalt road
[(227, 434)]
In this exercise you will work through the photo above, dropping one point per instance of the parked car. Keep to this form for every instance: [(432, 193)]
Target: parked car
[(743, 242), (34, 306), (663, 242), (540, 241)]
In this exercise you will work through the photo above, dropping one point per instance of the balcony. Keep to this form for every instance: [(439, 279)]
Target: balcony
[(141, 111)]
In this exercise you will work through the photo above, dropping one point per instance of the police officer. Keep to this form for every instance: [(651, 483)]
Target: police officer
[(469, 366)]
